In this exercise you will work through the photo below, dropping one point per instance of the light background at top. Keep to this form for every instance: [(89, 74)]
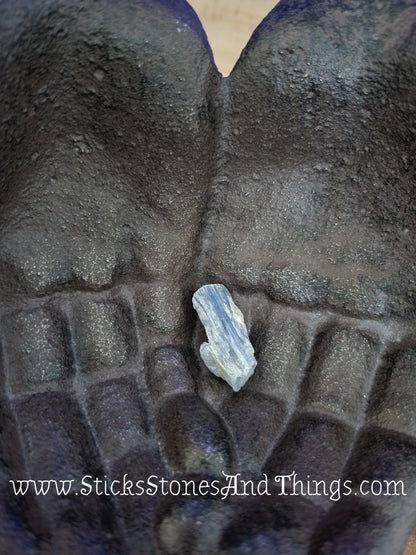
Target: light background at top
[(229, 24)]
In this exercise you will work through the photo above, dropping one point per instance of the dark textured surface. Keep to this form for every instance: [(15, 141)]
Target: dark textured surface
[(131, 174)]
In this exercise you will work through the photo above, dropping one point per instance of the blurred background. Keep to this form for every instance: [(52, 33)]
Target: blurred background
[(229, 25)]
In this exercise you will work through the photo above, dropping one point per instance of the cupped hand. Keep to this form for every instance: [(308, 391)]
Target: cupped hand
[(132, 174)]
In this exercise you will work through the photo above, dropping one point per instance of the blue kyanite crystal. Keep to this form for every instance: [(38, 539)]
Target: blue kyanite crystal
[(228, 353)]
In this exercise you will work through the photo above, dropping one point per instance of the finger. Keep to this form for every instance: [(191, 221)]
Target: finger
[(259, 413), (196, 446), (381, 471), (37, 350), (394, 393), (321, 434), (269, 525), (193, 437), (110, 358), (236, 525), (103, 333), (56, 446), (15, 533), (380, 522), (339, 381), (164, 313), (119, 417), (192, 525)]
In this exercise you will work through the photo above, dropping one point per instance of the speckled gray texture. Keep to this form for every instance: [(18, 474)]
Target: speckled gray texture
[(132, 174)]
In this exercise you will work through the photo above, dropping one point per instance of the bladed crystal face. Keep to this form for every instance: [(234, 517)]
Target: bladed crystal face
[(131, 173), (228, 353)]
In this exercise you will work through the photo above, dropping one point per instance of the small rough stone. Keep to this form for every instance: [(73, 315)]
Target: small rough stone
[(228, 353)]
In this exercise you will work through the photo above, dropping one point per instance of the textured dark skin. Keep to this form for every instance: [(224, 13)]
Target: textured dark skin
[(131, 174)]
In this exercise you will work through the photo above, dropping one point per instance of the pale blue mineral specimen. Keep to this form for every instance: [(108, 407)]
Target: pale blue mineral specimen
[(228, 353)]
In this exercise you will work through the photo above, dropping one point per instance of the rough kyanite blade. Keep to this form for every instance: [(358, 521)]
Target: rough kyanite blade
[(228, 353)]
